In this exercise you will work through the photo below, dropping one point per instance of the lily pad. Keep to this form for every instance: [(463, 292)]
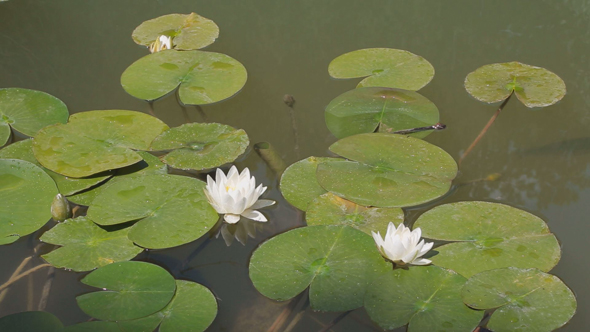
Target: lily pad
[(526, 299), (387, 170), (385, 67), (428, 298), (23, 150), (26, 193), (189, 31), (299, 185), (201, 145), (31, 321), (203, 77), (86, 246), (4, 132), (366, 110), (96, 141), (29, 110), (533, 86), (131, 290), (329, 209), (170, 210), (336, 262), (490, 236), (95, 326)]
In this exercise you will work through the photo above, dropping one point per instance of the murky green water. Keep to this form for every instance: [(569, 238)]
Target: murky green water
[(77, 51)]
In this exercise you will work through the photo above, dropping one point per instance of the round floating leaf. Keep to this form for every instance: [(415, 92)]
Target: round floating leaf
[(149, 165), (533, 86), (4, 132), (201, 145), (28, 110), (366, 110), (329, 209), (204, 77), (95, 326), (299, 185), (171, 210), (189, 32), (26, 193), (130, 290), (491, 236), (526, 299), (387, 170), (86, 246), (428, 298), (23, 150), (31, 321), (336, 262), (96, 141), (385, 67)]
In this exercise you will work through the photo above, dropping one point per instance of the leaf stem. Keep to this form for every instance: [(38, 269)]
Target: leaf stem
[(24, 274)]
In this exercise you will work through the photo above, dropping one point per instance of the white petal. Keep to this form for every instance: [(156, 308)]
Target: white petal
[(394, 249), (233, 171), (427, 246), (378, 240), (421, 261), (262, 203), (410, 256), (220, 178), (254, 215), (231, 218)]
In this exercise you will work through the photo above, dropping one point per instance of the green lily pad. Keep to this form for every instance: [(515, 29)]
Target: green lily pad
[(526, 299), (428, 298), (96, 141), (201, 145), (490, 236), (329, 209), (189, 31), (23, 150), (203, 77), (385, 67), (149, 165), (4, 132), (336, 262), (387, 170), (170, 210), (31, 321), (299, 185), (131, 290), (533, 86), (29, 110), (86, 246), (366, 110), (26, 193), (95, 326)]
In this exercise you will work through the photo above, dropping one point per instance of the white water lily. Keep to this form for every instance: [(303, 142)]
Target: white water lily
[(401, 245), (160, 44), (236, 195)]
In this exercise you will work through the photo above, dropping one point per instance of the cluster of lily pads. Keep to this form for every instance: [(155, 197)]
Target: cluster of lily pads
[(494, 257)]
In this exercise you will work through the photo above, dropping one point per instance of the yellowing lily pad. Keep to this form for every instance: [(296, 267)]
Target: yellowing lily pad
[(188, 32), (202, 77), (490, 236), (533, 86), (387, 170), (170, 210), (366, 110), (96, 141), (428, 298), (385, 67), (329, 209), (201, 145), (86, 246), (525, 299), (336, 262)]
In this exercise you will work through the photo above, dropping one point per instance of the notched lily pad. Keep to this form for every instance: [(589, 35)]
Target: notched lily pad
[(329, 209), (96, 141), (490, 236), (366, 110), (385, 67), (526, 299), (387, 170), (201, 77), (188, 31), (533, 86), (201, 145)]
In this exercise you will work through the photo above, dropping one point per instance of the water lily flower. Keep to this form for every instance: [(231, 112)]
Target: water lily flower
[(236, 195), (401, 245), (160, 44)]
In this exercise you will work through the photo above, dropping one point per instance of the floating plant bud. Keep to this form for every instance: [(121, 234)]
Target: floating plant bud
[(60, 208), (160, 44)]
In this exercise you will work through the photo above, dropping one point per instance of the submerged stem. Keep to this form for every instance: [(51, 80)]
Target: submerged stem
[(335, 321), (484, 130), (24, 274), (15, 273)]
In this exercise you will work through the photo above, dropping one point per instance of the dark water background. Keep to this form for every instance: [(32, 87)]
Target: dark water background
[(77, 50)]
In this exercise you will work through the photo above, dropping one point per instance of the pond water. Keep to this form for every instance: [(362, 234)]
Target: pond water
[(77, 51)]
